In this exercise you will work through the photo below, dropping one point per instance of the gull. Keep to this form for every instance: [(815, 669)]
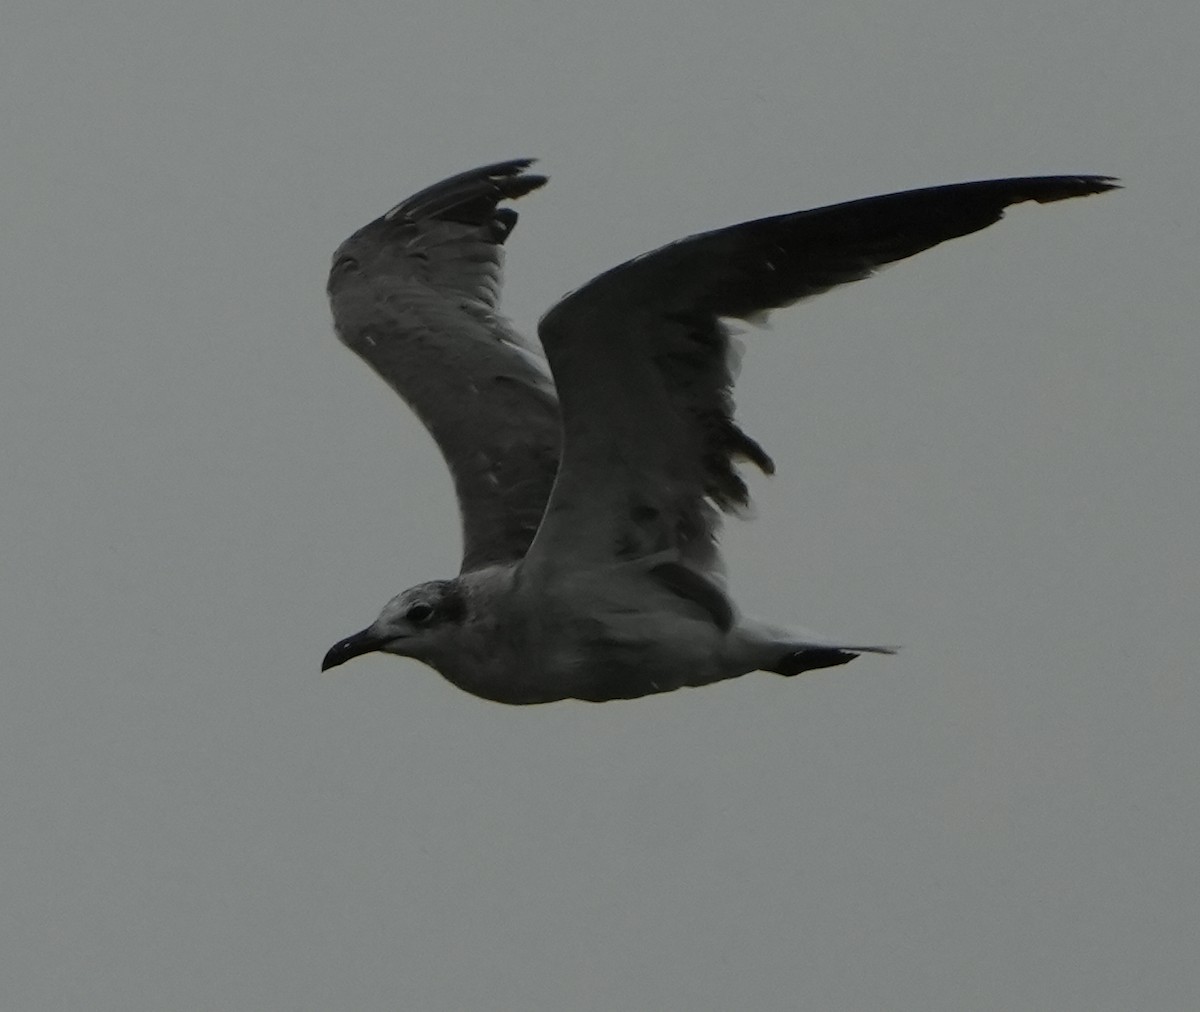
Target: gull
[(591, 479)]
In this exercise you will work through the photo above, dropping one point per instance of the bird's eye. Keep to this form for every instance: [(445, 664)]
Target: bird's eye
[(420, 612), (345, 264)]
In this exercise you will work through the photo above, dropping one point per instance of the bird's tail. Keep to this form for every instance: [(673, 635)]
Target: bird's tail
[(765, 647), (810, 657)]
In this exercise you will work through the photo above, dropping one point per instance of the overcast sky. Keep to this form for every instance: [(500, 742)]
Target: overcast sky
[(987, 454)]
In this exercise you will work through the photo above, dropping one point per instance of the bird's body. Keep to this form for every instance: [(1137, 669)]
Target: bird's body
[(615, 637), (618, 633), (590, 483)]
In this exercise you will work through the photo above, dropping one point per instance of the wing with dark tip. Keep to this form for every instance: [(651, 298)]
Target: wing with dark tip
[(643, 364), (414, 294)]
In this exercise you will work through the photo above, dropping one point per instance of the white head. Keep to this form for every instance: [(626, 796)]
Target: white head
[(418, 623)]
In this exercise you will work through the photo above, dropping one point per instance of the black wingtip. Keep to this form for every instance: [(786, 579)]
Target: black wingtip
[(470, 197), (1054, 188)]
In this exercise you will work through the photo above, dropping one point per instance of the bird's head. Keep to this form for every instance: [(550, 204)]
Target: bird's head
[(413, 624)]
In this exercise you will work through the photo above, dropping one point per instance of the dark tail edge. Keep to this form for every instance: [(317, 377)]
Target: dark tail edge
[(813, 658)]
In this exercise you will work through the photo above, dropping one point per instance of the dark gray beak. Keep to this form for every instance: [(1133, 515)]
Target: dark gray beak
[(352, 646)]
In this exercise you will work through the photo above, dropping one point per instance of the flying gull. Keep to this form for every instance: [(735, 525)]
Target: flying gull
[(591, 479)]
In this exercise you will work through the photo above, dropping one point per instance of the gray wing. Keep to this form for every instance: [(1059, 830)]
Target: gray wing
[(414, 294), (644, 372)]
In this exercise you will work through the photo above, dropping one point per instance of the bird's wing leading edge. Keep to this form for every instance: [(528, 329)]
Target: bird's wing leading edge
[(643, 364), (414, 294)]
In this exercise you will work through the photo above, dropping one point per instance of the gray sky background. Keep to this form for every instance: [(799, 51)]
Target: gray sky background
[(988, 454)]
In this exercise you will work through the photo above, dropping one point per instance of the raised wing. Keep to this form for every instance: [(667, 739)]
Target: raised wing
[(644, 372), (414, 294)]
